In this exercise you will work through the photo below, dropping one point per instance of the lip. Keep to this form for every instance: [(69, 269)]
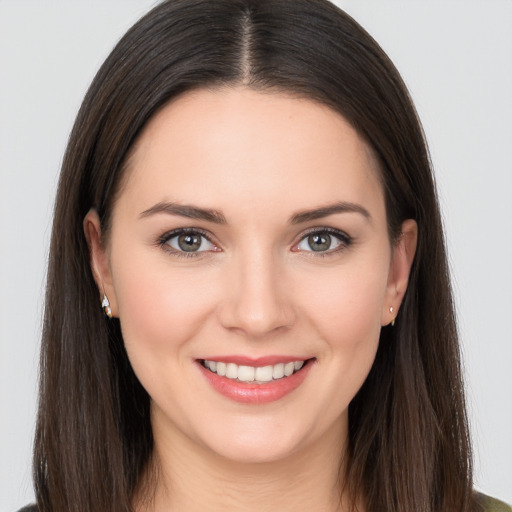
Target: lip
[(256, 361), (250, 393)]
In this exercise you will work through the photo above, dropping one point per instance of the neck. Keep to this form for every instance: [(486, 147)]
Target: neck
[(191, 478)]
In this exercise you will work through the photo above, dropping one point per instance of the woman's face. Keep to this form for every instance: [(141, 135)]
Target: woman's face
[(250, 236)]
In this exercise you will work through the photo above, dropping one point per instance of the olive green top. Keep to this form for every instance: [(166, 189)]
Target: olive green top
[(489, 504)]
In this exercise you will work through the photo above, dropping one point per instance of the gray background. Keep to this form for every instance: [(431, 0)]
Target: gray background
[(456, 57)]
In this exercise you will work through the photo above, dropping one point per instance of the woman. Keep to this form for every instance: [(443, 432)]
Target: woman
[(239, 207)]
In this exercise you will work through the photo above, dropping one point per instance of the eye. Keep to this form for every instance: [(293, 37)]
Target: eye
[(187, 241), (322, 241)]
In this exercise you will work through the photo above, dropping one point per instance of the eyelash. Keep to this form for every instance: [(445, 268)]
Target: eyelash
[(344, 239), (164, 239)]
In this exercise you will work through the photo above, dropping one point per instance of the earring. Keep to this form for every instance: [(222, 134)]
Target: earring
[(105, 304), (391, 309)]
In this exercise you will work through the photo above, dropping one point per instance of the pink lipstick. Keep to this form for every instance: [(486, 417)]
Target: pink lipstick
[(255, 380)]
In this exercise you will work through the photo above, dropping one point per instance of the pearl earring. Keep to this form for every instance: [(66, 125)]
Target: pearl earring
[(105, 304), (391, 309)]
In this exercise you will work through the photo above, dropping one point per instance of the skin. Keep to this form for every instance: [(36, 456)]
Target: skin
[(257, 289)]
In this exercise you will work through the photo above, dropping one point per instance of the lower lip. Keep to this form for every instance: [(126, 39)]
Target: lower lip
[(250, 393)]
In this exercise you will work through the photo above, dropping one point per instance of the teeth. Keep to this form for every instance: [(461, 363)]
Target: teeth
[(246, 373), (257, 374), (221, 369), (288, 369), (278, 371), (263, 373), (231, 371)]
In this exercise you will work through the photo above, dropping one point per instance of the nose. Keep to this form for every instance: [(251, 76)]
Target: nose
[(258, 298)]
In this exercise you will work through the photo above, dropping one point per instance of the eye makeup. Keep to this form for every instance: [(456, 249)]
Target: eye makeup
[(177, 241), (322, 236), (191, 242)]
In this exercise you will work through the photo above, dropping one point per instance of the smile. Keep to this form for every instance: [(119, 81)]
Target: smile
[(255, 382), (255, 374)]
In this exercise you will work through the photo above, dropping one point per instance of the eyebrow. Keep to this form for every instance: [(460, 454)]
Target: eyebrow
[(191, 212), (215, 216), (330, 209)]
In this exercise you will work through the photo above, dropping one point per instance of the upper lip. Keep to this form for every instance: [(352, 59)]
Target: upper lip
[(269, 360)]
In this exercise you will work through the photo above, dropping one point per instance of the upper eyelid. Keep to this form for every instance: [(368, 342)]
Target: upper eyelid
[(178, 231), (325, 229)]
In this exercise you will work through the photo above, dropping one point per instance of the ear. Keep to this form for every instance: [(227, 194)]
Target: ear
[(399, 270), (99, 259)]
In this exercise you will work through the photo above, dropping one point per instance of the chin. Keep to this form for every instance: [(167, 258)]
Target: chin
[(256, 453), (257, 443)]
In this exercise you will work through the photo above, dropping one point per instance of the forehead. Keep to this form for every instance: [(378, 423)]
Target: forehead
[(211, 147)]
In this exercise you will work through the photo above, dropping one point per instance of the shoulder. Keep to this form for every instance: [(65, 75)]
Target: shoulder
[(28, 508), (489, 504)]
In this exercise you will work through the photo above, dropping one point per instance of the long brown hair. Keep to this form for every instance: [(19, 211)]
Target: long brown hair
[(408, 435)]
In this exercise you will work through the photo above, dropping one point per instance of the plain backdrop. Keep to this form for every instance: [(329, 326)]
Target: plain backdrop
[(455, 56)]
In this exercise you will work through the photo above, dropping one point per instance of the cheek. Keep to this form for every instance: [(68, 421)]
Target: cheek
[(159, 309), (348, 309), (160, 313), (346, 315)]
